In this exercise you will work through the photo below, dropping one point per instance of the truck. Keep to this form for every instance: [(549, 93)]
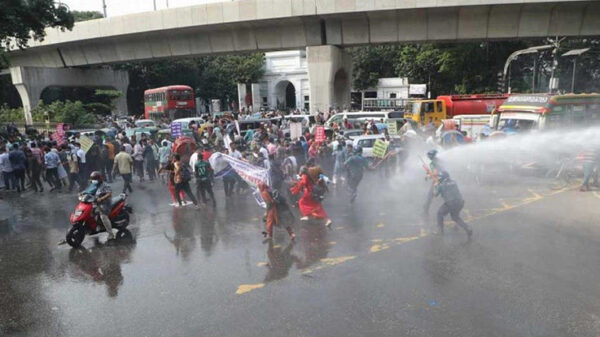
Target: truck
[(423, 112)]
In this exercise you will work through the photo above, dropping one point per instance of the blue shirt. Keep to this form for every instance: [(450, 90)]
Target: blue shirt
[(52, 160)]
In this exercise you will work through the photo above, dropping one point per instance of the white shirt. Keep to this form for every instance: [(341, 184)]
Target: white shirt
[(128, 148), (81, 155), (236, 154), (193, 160), (5, 163)]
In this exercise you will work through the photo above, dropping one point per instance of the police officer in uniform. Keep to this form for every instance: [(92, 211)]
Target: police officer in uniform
[(453, 203), (435, 168)]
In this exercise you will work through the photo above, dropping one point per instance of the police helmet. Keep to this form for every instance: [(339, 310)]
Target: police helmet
[(444, 175), (432, 153)]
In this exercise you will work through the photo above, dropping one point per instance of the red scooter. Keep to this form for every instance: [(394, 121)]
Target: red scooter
[(86, 218)]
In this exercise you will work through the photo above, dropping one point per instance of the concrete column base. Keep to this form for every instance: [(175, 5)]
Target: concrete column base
[(329, 76), (31, 81)]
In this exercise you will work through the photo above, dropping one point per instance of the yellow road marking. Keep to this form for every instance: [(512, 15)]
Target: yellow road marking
[(379, 225), (244, 288), (261, 264), (385, 244)]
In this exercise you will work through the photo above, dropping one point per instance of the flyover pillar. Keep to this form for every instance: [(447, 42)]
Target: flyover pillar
[(329, 77), (31, 81)]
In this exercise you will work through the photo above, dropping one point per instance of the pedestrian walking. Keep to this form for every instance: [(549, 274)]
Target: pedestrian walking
[(52, 161), (124, 163), (18, 161)]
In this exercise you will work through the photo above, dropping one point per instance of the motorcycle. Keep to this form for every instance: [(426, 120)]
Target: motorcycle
[(86, 218)]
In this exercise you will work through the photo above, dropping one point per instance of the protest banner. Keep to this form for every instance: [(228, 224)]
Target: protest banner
[(251, 174), (86, 143), (392, 128), (319, 134), (175, 130), (59, 135), (295, 130), (379, 148)]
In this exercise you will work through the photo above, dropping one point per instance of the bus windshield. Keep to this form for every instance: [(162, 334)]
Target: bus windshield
[(180, 95)]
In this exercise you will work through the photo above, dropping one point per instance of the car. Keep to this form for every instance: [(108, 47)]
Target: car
[(367, 142), (145, 123), (350, 133)]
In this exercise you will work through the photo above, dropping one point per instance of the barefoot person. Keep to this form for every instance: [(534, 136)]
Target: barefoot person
[(310, 182), (272, 216)]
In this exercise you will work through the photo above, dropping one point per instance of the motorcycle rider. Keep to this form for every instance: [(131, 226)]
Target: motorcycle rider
[(103, 194)]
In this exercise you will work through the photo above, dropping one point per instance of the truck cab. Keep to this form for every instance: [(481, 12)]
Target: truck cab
[(428, 111)]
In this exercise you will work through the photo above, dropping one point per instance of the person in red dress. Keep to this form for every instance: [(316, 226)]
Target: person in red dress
[(309, 207)]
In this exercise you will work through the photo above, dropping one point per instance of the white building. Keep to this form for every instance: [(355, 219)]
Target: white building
[(285, 82)]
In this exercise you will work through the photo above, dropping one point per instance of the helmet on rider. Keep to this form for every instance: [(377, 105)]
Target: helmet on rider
[(96, 176), (444, 175), (432, 153)]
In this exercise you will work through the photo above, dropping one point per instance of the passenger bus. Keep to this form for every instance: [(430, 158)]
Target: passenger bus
[(544, 111), (171, 102)]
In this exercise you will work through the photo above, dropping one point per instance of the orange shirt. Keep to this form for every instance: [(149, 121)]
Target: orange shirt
[(111, 151)]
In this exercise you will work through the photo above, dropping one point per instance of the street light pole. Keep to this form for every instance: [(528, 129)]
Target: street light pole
[(575, 53), (154, 2), (104, 7), (533, 77)]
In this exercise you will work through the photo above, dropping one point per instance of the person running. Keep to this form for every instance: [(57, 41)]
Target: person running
[(124, 163), (182, 179), (453, 203), (355, 166), (204, 176), (309, 206), (272, 214), (435, 168)]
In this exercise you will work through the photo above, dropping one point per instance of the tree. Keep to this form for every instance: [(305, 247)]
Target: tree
[(79, 16), (22, 20), (212, 77)]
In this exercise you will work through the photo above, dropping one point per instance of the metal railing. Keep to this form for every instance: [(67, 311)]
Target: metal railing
[(383, 103)]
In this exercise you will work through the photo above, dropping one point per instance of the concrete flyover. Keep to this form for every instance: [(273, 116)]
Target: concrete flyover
[(264, 25), (31, 81)]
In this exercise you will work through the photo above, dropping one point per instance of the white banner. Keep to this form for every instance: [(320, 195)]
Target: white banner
[(253, 175)]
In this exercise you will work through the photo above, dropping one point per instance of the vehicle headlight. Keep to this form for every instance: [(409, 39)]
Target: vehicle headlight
[(77, 213)]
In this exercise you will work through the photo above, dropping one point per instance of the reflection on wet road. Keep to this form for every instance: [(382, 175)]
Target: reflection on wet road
[(530, 270)]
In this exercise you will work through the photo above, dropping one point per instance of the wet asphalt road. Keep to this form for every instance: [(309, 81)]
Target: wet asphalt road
[(531, 269)]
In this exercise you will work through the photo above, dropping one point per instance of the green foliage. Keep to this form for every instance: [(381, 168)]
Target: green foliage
[(86, 15), (210, 76), (22, 20), (107, 101), (464, 68), (11, 115)]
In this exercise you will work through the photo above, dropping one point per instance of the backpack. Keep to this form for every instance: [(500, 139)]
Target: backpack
[(186, 173)]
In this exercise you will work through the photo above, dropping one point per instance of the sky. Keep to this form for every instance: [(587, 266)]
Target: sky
[(122, 7)]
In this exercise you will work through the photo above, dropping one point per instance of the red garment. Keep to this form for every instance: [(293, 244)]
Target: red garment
[(206, 155), (272, 216), (308, 206)]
